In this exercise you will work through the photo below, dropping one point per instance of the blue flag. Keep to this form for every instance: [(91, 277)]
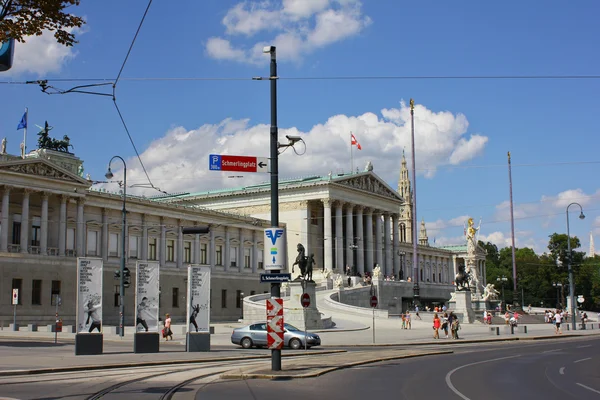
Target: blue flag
[(23, 123)]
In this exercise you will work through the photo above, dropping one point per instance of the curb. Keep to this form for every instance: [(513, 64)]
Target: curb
[(21, 372), (324, 371)]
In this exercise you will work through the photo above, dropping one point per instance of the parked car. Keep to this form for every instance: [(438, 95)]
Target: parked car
[(256, 335)]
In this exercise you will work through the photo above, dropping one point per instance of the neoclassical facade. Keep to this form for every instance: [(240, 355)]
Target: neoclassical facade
[(50, 215)]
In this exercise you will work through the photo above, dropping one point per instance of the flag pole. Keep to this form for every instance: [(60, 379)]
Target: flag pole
[(25, 133), (351, 155)]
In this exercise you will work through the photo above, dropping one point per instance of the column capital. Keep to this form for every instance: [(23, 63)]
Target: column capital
[(339, 203), (45, 195), (81, 201), (28, 191), (64, 198), (6, 189), (327, 202), (359, 208), (105, 211), (369, 210)]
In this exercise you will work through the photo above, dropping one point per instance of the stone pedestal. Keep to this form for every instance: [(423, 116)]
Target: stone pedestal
[(88, 344), (295, 314), (197, 341), (462, 306), (146, 342)]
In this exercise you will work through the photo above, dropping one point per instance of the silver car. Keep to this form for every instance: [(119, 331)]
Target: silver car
[(256, 335)]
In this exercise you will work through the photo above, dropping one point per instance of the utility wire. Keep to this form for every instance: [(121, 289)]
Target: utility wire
[(133, 41)]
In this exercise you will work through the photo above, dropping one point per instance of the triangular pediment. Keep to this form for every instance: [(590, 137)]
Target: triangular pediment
[(41, 168), (368, 182)]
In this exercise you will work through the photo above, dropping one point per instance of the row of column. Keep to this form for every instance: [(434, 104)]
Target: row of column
[(81, 227), (385, 249)]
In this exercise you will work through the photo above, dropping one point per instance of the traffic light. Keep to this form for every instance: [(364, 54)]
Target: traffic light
[(126, 277)]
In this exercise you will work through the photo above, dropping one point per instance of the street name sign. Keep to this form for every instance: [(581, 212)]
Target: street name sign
[(275, 277), (218, 162)]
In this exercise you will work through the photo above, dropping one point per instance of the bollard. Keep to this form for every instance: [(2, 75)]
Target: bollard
[(524, 328), (512, 330), (568, 327), (497, 331)]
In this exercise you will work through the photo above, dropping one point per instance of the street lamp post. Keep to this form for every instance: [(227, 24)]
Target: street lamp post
[(109, 175), (570, 266), (558, 286), (242, 304), (415, 237), (402, 254), (502, 280)]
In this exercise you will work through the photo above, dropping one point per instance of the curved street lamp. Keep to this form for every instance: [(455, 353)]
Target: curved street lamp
[(502, 280), (570, 268), (109, 175)]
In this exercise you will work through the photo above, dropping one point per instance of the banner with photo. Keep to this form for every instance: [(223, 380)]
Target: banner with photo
[(147, 287), (198, 299), (89, 295)]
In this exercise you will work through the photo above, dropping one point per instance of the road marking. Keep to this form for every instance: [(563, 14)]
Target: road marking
[(550, 351), (583, 347), (588, 388), (583, 359), (561, 371), (449, 374)]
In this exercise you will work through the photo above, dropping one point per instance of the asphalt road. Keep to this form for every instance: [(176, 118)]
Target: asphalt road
[(546, 370), (557, 369)]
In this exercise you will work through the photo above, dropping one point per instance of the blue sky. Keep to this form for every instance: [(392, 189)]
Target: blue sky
[(464, 127)]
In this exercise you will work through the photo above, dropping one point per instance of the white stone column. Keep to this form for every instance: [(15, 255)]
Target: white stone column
[(396, 244), (144, 253), (62, 226), (226, 256), (162, 251), (44, 225), (196, 250), (179, 244), (254, 260), (350, 237), (360, 235), (5, 211), (379, 242), (369, 240), (339, 237), (25, 224), (104, 238), (241, 253), (328, 236), (387, 234), (80, 229), (212, 256)]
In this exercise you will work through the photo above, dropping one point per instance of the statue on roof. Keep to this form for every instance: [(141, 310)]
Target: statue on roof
[(46, 142), (4, 146)]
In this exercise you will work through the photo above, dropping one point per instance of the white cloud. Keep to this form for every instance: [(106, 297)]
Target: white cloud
[(174, 167), (298, 27), (466, 149), (41, 55)]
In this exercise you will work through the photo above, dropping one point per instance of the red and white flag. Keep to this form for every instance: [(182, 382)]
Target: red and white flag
[(354, 142)]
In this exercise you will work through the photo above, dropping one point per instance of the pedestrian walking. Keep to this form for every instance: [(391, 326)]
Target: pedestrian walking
[(445, 324), (417, 312), (407, 316), (436, 326), (403, 321), (167, 332), (557, 322)]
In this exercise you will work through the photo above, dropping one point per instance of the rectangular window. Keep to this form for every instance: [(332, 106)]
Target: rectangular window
[(175, 297), (117, 298), (223, 298), (70, 239), (233, 256), (35, 235), (187, 252), (218, 255), (238, 299), (133, 246), (247, 258), (16, 236), (92, 243), (203, 248), (260, 259), (17, 284), (55, 293), (36, 292), (170, 250), (314, 219), (113, 245), (152, 249), (210, 297)]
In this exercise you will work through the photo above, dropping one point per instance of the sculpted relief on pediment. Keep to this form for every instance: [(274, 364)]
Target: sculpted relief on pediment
[(369, 184), (39, 169)]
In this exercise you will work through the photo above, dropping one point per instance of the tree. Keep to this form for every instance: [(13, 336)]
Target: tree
[(21, 18)]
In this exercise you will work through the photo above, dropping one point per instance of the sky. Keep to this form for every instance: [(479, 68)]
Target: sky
[(186, 91)]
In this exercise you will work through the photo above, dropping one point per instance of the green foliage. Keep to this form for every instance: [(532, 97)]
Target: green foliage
[(20, 18)]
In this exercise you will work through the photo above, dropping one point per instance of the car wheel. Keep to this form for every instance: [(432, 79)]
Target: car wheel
[(246, 343), (295, 344)]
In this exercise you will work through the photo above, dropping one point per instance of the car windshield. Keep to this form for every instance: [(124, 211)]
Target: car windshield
[(291, 327)]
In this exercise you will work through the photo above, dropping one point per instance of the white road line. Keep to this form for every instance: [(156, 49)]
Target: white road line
[(550, 351), (449, 374), (583, 359), (588, 388), (583, 347), (561, 371)]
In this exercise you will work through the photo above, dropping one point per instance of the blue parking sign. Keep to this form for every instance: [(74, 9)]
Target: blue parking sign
[(214, 162)]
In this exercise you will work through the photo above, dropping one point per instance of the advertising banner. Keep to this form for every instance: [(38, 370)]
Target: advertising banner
[(274, 254), (147, 286), (198, 298), (89, 295)]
